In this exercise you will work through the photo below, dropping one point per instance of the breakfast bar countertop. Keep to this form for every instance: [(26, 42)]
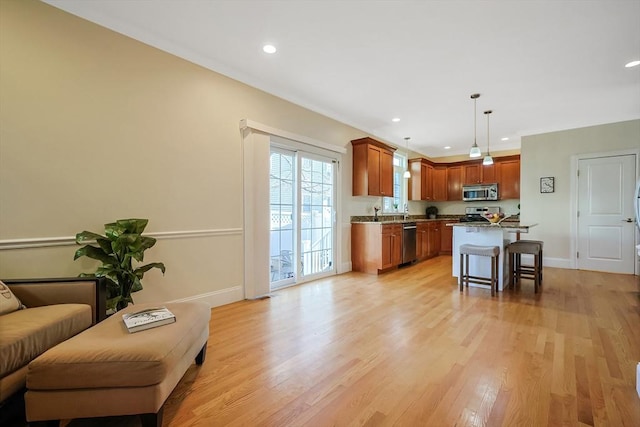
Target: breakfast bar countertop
[(509, 226)]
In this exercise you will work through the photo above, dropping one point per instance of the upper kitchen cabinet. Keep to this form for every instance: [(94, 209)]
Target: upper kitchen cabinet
[(508, 171), (428, 180), (420, 183), (439, 183), (454, 183), (372, 168), (471, 173), (477, 173), (489, 175)]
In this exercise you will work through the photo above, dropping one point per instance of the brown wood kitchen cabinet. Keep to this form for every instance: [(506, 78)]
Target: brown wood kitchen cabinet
[(471, 173), (505, 171), (372, 168), (420, 183), (454, 183), (427, 239), (428, 180), (488, 174), (439, 183), (433, 235), (375, 247), (508, 171), (477, 173), (422, 240), (446, 237)]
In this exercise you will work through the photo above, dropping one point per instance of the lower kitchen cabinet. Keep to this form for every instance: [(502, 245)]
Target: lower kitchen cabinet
[(375, 247), (422, 240), (433, 235), (446, 237), (428, 239)]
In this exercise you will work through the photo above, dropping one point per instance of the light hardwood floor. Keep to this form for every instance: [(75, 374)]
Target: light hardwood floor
[(407, 349)]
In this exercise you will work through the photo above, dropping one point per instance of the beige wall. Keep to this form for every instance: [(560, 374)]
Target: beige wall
[(95, 126), (550, 155)]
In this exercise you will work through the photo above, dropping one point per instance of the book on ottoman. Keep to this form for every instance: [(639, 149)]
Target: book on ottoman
[(148, 318)]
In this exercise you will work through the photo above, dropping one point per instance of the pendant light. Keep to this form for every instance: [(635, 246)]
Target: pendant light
[(407, 174), (475, 150), (488, 160)]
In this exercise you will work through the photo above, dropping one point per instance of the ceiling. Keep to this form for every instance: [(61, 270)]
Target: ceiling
[(539, 65)]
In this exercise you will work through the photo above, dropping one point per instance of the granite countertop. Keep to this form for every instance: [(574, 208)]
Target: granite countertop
[(393, 219), (397, 219), (509, 225)]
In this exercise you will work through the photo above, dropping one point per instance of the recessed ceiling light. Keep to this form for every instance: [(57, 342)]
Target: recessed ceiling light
[(269, 48), (504, 139), (447, 147), (632, 64), (395, 119)]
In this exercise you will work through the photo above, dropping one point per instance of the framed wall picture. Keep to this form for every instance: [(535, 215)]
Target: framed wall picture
[(547, 184)]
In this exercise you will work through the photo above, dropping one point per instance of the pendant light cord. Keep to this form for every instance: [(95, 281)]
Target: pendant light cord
[(475, 121), (488, 139)]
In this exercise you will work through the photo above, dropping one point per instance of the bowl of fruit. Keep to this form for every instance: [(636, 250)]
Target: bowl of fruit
[(494, 218)]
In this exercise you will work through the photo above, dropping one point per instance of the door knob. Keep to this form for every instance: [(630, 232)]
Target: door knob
[(628, 220)]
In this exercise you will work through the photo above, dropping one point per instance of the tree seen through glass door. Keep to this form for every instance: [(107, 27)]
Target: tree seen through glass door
[(316, 217)]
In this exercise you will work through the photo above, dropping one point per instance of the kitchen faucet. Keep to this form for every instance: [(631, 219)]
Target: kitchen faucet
[(406, 211)]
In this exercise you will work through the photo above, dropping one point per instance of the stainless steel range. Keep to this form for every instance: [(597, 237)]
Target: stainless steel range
[(477, 214)]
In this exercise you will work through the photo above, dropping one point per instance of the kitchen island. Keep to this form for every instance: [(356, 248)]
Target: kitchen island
[(485, 234)]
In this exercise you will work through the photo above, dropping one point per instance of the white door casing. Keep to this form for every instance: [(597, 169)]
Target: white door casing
[(605, 205), (256, 139)]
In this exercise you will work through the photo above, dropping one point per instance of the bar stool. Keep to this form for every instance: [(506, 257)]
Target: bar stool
[(518, 271), (530, 267), (488, 251)]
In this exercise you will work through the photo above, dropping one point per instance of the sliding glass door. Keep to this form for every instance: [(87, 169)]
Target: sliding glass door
[(302, 198)]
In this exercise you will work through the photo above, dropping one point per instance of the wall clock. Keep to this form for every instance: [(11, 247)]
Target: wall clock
[(547, 184)]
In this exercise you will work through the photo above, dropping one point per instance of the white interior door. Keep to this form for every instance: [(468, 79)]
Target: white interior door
[(605, 214)]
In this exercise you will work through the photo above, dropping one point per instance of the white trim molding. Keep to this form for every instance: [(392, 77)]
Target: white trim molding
[(44, 242), (217, 298), (250, 124)]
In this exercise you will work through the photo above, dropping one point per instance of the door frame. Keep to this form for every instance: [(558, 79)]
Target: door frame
[(573, 207), (256, 139), (298, 154)]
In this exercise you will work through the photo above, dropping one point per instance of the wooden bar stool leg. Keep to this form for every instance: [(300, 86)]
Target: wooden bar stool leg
[(494, 283), (512, 271), (466, 270), (536, 273), (541, 266), (461, 278), (518, 271), (498, 273)]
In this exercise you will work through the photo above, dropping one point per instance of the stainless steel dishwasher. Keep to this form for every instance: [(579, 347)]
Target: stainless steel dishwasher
[(408, 242)]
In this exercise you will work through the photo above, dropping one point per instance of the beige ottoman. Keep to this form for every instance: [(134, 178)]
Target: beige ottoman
[(106, 371)]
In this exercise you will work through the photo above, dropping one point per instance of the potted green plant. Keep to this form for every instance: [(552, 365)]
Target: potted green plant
[(122, 243), (432, 212)]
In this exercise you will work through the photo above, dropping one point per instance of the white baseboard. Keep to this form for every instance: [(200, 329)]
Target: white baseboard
[(549, 262), (345, 267), (557, 263), (218, 298)]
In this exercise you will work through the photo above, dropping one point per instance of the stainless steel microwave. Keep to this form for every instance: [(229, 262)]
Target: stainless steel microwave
[(472, 193)]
